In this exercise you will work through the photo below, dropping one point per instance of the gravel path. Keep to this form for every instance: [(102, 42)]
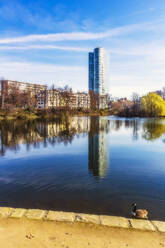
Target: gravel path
[(23, 233)]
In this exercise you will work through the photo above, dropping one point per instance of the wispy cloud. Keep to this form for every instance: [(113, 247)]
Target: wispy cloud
[(150, 51), (137, 50), (79, 36), (45, 47), (139, 12)]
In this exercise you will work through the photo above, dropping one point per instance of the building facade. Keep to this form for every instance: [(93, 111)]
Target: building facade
[(99, 76), (91, 71), (98, 71), (8, 85), (57, 99)]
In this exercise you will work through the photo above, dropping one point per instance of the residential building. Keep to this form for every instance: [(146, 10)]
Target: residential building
[(83, 100), (52, 99), (41, 99), (91, 71), (98, 71), (8, 85), (46, 98), (99, 75), (56, 99)]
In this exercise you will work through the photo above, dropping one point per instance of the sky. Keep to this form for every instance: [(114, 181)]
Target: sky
[(47, 42)]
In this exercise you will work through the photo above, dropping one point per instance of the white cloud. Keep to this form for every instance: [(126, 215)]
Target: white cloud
[(135, 66), (73, 36), (45, 47)]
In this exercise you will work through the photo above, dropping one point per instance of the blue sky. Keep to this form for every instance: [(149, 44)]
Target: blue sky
[(48, 42)]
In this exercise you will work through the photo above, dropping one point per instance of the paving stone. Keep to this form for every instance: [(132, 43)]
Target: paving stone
[(6, 212), (18, 213), (114, 221), (88, 218), (36, 214), (142, 225), (60, 216), (160, 225)]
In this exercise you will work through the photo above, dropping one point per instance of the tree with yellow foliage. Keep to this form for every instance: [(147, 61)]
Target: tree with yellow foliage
[(153, 105)]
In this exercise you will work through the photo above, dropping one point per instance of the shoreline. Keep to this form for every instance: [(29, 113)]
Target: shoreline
[(57, 117), (71, 217), (48, 116)]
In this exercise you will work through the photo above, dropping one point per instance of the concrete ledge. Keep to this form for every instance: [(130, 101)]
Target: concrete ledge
[(159, 225), (114, 221), (60, 216), (111, 221), (87, 218), (6, 212), (18, 213), (142, 225), (36, 214)]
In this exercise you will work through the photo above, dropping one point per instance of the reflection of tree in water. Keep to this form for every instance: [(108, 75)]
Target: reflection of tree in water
[(135, 125), (127, 123), (118, 124), (153, 129), (34, 133), (13, 133), (98, 149)]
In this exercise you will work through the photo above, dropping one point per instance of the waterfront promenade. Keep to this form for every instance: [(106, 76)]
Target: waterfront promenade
[(41, 228)]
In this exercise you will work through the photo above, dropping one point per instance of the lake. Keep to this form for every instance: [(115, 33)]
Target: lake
[(95, 165)]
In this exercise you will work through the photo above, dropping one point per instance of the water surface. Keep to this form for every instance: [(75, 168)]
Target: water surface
[(87, 164)]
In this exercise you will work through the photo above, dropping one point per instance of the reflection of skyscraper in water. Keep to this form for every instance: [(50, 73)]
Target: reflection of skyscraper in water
[(98, 147)]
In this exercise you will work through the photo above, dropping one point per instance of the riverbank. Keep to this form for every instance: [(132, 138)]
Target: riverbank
[(37, 228), (71, 217), (47, 114)]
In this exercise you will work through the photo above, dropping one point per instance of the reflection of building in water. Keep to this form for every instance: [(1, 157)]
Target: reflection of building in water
[(16, 133), (82, 125), (75, 124), (98, 147)]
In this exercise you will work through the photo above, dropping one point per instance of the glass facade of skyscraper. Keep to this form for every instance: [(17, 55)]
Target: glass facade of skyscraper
[(98, 71)]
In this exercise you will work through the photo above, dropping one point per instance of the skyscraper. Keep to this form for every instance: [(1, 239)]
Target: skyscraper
[(98, 71)]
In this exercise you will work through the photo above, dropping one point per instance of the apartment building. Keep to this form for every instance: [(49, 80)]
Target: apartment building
[(8, 85), (98, 68), (98, 71), (57, 99)]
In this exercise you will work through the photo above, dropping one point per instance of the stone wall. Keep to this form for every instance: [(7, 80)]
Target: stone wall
[(110, 221)]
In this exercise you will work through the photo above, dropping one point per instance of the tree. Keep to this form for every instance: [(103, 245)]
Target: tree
[(153, 105), (163, 93), (94, 100), (65, 96), (135, 104)]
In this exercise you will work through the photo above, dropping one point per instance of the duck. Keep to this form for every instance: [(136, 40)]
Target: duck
[(139, 213)]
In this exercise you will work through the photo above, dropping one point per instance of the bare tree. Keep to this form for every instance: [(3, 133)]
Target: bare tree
[(163, 93), (94, 100), (135, 104)]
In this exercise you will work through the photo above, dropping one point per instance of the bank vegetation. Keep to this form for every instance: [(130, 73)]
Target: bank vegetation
[(150, 105)]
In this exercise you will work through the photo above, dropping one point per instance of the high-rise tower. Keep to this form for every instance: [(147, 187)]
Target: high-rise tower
[(98, 71)]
